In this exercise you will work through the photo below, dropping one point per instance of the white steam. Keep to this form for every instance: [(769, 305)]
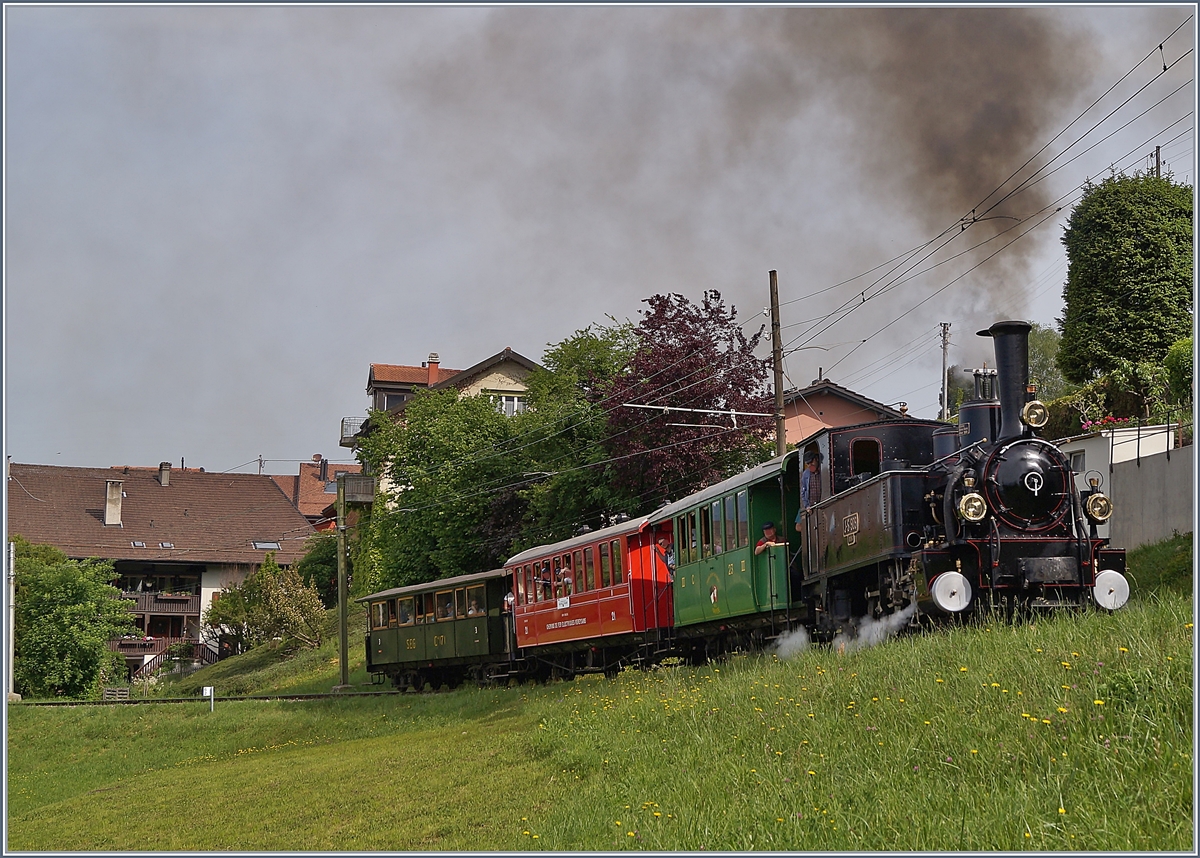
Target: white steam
[(871, 631), (792, 643)]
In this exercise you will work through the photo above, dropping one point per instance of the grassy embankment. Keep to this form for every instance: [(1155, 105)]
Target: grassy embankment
[(1073, 733)]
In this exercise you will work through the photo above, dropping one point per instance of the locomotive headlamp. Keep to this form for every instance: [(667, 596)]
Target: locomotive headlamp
[(1098, 508), (972, 507), (1035, 414), (969, 480)]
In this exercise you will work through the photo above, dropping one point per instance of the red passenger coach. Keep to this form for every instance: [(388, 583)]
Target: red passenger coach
[(595, 600)]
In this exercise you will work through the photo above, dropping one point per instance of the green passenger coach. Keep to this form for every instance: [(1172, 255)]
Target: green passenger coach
[(725, 595), (441, 632)]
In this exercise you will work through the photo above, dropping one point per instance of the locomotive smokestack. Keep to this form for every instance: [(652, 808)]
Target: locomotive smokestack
[(1012, 371)]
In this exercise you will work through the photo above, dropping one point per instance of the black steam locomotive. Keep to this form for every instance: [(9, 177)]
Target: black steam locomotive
[(954, 518)]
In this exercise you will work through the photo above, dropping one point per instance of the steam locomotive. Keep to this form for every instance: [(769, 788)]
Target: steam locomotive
[(918, 519)]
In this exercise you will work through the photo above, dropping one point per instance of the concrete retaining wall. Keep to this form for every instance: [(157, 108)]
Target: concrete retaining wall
[(1153, 498)]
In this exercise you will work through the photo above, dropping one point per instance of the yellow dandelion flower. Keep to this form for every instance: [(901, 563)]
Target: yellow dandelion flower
[(1062, 709), (940, 680), (962, 670), (974, 750), (811, 772), (1098, 702), (629, 834), (1123, 649), (1045, 720)]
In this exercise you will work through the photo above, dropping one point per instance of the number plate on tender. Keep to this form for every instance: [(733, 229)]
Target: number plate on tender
[(850, 528)]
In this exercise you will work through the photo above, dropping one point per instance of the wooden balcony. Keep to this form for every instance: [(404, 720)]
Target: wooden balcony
[(157, 603)]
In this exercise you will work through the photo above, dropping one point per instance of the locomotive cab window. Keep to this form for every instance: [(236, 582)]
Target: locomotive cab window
[(865, 457), (475, 602)]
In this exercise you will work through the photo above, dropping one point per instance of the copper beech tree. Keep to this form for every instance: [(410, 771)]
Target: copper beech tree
[(693, 356)]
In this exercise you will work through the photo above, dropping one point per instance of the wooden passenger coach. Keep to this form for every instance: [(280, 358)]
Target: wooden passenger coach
[(441, 632), (592, 601)]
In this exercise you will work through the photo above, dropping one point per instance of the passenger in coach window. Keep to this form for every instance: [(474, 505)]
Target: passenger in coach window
[(473, 608), (665, 550), (769, 539), (566, 579)]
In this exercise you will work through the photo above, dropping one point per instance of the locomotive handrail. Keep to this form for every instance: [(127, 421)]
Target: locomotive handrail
[(958, 452)]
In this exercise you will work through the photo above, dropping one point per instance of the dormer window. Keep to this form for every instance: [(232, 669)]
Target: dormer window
[(166, 545), (266, 546), (138, 544)]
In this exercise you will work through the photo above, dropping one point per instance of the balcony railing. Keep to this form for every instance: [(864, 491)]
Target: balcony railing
[(158, 603), (350, 428)]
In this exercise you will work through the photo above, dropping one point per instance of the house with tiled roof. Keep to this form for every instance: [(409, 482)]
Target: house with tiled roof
[(823, 405), (390, 386), (177, 537), (314, 488)]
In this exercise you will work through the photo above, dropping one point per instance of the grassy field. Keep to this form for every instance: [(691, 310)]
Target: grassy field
[(1072, 733)]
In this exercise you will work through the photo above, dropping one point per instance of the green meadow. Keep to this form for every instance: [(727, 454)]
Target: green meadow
[(1070, 733)]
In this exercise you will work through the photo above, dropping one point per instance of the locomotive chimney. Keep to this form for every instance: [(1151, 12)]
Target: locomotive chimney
[(1012, 372)]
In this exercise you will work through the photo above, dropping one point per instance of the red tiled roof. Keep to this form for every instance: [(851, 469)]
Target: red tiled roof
[(209, 518), (398, 374), (312, 495)]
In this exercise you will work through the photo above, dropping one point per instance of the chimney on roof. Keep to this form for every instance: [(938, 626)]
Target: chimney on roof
[(164, 473), (112, 503), (433, 362), (324, 470)]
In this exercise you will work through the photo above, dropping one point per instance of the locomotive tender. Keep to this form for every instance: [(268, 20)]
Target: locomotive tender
[(918, 518)]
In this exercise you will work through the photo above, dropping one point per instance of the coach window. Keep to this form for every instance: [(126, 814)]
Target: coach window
[(718, 528), (379, 615), (475, 602), (730, 524), (616, 560), (605, 567), (392, 613), (404, 611), (705, 532), (743, 519), (445, 605), (865, 456), (682, 550), (589, 569), (692, 535), (460, 601), (575, 581)]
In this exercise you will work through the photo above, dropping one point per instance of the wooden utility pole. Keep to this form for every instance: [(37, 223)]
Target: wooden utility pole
[(1158, 162), (777, 359), (343, 655), (945, 385)]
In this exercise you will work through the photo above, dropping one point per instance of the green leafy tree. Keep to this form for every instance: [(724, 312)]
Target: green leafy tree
[(1129, 279), (319, 568), (66, 612), (1179, 371), (1043, 363), (445, 465), (273, 602), (564, 429)]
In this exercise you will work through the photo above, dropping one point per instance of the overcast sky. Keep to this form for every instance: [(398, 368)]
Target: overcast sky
[(218, 217)]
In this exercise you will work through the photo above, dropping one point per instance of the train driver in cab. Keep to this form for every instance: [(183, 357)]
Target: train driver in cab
[(769, 539), (810, 484)]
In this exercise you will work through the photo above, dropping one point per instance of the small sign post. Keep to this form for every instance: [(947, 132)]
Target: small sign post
[(207, 691)]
